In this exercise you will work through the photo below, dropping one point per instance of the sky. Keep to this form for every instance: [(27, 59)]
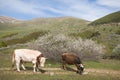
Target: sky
[(85, 9)]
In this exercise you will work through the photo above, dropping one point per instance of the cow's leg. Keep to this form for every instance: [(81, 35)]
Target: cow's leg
[(78, 71), (34, 66), (18, 65), (23, 67), (21, 63), (64, 65), (37, 69)]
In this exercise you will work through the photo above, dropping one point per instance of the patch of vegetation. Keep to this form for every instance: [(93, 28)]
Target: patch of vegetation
[(116, 52), (8, 35), (88, 34), (53, 45), (103, 64), (26, 38), (3, 44), (118, 32)]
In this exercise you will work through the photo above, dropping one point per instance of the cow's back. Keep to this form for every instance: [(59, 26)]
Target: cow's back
[(70, 58), (26, 54)]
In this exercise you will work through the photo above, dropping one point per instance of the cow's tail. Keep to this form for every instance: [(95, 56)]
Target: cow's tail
[(13, 59)]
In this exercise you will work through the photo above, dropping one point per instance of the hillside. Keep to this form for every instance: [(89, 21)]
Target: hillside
[(72, 28), (14, 33), (54, 22), (110, 18), (106, 30)]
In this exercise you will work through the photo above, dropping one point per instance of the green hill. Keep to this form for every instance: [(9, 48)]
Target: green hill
[(106, 30), (28, 31), (111, 18), (20, 32)]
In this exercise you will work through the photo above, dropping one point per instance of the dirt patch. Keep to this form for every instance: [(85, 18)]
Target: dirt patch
[(53, 71)]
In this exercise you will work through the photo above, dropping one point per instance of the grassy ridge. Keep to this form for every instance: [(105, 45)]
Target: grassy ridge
[(111, 18)]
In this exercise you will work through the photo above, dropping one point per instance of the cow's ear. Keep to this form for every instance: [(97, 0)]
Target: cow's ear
[(83, 64)]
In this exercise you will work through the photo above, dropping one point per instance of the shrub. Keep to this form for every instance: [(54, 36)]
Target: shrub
[(53, 45), (118, 32), (3, 44), (116, 52)]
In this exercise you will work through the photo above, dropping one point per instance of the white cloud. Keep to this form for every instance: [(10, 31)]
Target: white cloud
[(109, 3), (77, 8), (83, 9), (19, 6)]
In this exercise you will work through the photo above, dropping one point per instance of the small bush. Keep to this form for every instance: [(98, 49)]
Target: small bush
[(53, 45), (118, 32), (116, 52), (3, 44)]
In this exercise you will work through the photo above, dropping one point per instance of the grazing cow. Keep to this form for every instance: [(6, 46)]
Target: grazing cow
[(72, 59), (26, 55)]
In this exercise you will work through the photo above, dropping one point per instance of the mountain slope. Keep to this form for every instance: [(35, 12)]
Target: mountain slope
[(6, 19), (110, 18), (15, 31)]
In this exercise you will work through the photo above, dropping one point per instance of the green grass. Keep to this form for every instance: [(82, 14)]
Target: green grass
[(103, 64), (12, 76), (26, 38), (87, 34), (8, 35)]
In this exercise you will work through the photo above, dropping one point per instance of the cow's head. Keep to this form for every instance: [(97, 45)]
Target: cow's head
[(80, 68), (42, 61)]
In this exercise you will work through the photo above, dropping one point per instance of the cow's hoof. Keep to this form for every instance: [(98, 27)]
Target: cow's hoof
[(18, 71)]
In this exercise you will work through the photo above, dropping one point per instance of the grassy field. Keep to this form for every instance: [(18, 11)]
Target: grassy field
[(97, 70)]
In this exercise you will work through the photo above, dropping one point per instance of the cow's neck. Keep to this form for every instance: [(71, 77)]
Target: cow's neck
[(39, 57)]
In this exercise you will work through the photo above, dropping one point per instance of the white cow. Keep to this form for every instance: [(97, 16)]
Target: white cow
[(27, 55)]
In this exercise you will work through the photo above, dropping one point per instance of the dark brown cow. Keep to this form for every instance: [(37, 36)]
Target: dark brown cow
[(72, 59)]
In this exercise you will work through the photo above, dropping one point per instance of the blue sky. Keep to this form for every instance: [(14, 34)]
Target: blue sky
[(85, 9)]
